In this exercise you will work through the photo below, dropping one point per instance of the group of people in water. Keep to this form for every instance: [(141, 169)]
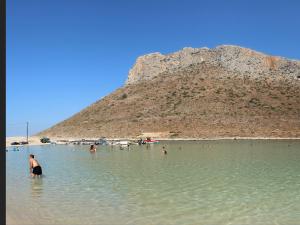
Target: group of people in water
[(93, 149), (36, 169)]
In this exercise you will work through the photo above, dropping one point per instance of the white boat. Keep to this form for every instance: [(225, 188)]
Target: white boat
[(124, 143)]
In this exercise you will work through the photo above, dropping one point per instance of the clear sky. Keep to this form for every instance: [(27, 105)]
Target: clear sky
[(63, 55)]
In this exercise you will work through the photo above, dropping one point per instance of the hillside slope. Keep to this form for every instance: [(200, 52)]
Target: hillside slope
[(203, 96)]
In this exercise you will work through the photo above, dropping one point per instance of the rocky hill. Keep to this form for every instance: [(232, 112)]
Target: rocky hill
[(227, 91), (232, 58)]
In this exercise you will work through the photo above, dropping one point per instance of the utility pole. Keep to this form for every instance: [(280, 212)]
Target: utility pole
[(27, 131)]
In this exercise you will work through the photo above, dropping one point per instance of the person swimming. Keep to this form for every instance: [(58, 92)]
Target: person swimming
[(34, 167), (93, 148)]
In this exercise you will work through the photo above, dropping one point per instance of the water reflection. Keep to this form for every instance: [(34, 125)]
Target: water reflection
[(37, 186), (93, 154)]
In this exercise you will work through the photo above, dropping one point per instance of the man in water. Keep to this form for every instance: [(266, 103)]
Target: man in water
[(34, 166)]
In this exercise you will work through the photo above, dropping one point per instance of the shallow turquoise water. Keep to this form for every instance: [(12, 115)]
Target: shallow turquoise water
[(207, 182)]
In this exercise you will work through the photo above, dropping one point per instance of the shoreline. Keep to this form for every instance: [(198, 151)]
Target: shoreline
[(35, 140)]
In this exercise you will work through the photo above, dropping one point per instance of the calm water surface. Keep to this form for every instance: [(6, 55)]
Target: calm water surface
[(208, 182)]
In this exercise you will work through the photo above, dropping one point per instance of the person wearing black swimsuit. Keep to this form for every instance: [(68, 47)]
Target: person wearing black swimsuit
[(34, 166)]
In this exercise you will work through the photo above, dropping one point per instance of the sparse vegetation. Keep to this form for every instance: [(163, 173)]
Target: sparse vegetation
[(123, 96), (209, 102)]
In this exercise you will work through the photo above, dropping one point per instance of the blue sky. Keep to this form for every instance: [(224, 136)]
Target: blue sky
[(63, 55)]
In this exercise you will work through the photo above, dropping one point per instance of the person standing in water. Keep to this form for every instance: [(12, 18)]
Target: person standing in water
[(34, 167), (164, 150)]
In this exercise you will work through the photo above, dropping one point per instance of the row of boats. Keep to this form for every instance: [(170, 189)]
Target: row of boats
[(103, 141)]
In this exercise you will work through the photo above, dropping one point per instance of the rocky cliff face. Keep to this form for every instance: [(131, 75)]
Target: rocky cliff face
[(232, 58), (197, 93)]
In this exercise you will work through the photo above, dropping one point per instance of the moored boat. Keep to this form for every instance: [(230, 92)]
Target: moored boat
[(150, 141)]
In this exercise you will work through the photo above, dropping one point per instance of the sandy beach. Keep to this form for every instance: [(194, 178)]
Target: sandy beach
[(33, 140)]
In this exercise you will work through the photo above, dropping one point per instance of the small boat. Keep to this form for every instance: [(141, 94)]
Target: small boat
[(150, 141), (121, 143), (101, 141), (124, 143)]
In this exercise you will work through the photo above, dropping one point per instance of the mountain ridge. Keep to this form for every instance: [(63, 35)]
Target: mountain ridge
[(229, 56), (224, 92)]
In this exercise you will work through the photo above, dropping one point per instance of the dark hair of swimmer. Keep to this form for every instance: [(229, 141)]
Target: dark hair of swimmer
[(92, 146), (31, 156)]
